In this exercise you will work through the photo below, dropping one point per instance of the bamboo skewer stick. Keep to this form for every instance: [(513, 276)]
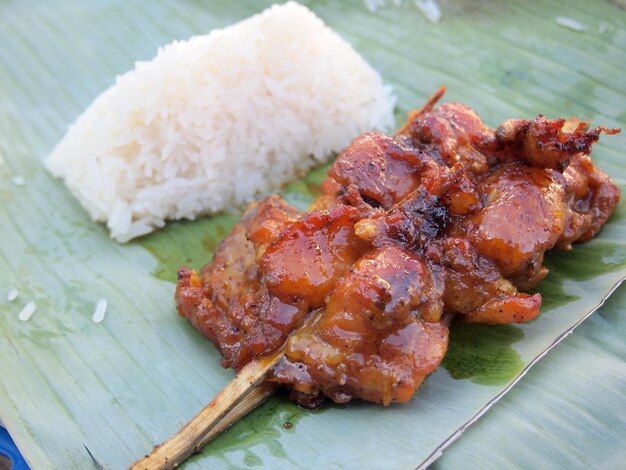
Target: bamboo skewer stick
[(239, 397), (428, 106), (256, 397)]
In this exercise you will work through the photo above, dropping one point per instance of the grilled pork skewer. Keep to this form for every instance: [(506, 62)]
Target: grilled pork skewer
[(352, 299)]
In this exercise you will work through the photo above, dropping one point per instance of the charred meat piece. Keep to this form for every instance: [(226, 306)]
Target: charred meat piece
[(414, 222), (547, 143), (451, 134), (475, 286), (382, 168)]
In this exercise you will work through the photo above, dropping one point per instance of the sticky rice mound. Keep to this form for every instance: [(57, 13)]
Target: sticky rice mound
[(218, 120)]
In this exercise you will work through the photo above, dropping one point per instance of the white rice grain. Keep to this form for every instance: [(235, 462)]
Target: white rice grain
[(19, 180), (216, 121), (27, 311), (12, 295), (374, 5), (430, 9), (570, 23), (99, 312)]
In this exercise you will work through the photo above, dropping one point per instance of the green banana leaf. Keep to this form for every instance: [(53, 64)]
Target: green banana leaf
[(578, 421), (73, 392)]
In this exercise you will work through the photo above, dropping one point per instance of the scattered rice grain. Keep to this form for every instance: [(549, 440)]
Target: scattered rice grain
[(19, 181), (429, 9), (12, 295), (27, 311), (101, 308), (570, 23), (374, 5)]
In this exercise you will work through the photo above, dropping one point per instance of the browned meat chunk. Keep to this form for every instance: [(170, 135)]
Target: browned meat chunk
[(475, 287), (383, 169), (229, 303), (548, 143), (591, 197), (453, 133), (309, 256), (523, 214)]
